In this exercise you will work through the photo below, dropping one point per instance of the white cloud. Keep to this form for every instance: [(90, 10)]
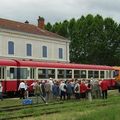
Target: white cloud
[(57, 10)]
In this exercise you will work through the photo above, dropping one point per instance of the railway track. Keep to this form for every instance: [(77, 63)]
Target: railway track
[(29, 115), (46, 109), (19, 107)]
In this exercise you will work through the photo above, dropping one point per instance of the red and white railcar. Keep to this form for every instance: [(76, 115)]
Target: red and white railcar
[(13, 71)]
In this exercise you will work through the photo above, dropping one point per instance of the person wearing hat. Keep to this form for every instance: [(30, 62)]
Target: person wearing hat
[(1, 89)]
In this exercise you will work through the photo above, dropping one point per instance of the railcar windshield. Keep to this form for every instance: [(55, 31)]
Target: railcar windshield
[(116, 73)]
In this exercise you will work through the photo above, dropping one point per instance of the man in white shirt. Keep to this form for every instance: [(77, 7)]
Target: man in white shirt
[(22, 88), (1, 89)]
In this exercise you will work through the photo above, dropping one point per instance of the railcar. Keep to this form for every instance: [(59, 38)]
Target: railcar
[(14, 71), (117, 73), (116, 76)]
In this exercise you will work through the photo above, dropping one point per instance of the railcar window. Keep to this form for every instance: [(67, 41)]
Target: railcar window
[(0, 74), (61, 73), (96, 74), (24, 73), (110, 74), (76, 73), (42, 73), (90, 74), (68, 73), (107, 74), (102, 74), (83, 74), (115, 73), (3, 72), (51, 73), (32, 73), (13, 73)]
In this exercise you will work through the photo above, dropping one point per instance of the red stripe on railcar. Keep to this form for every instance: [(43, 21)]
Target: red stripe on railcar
[(63, 65)]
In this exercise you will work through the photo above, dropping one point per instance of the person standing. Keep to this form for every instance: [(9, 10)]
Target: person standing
[(1, 89), (26, 90), (104, 88), (48, 90), (69, 90), (42, 85), (63, 89), (89, 88), (55, 90), (22, 88), (77, 89), (83, 89), (38, 92)]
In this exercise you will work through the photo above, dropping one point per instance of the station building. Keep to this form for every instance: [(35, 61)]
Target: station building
[(26, 41)]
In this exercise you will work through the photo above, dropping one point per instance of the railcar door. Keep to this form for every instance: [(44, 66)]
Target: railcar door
[(11, 82), (3, 77)]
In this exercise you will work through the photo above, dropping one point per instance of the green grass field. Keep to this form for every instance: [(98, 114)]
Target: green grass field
[(67, 110)]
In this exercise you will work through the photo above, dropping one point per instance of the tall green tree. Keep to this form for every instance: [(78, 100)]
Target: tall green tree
[(94, 40), (48, 27)]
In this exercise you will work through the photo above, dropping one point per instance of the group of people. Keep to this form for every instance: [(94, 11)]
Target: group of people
[(53, 89), (91, 89)]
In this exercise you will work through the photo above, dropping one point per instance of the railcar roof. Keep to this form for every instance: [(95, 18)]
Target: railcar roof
[(52, 65), (5, 62), (64, 65), (116, 68)]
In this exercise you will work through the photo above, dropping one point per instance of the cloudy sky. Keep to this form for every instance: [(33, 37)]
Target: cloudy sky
[(57, 10)]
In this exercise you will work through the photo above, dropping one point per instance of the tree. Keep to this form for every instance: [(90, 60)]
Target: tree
[(48, 27), (94, 40)]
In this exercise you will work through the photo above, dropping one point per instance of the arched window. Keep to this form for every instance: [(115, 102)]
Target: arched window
[(60, 53), (29, 50), (44, 51), (11, 47)]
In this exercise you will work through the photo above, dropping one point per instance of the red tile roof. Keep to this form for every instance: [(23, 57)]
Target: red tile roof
[(27, 28)]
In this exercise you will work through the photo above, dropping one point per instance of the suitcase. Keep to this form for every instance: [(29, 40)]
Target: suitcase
[(27, 101)]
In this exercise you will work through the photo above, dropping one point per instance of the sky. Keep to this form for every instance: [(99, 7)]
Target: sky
[(57, 10)]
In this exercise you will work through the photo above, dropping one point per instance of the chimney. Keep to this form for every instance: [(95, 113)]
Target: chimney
[(41, 22), (27, 22)]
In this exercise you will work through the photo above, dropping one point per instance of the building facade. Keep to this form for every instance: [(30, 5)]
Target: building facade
[(29, 42)]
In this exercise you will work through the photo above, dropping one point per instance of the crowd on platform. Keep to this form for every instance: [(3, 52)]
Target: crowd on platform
[(62, 90)]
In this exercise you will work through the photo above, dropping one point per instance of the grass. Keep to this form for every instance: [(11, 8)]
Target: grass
[(69, 110)]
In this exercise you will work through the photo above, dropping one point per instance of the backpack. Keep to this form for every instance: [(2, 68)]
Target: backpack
[(76, 88), (65, 87)]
